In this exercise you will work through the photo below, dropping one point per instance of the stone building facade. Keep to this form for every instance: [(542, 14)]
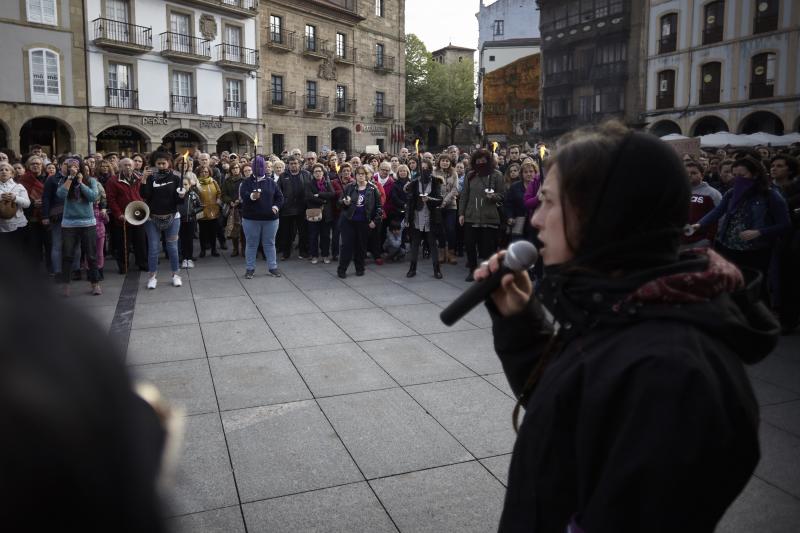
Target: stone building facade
[(511, 101), (723, 66), (179, 74), (43, 92), (333, 74)]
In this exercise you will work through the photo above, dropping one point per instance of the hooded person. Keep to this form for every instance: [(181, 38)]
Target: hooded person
[(481, 197), (261, 201), (639, 415)]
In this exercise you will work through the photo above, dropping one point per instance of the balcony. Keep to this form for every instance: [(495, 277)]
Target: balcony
[(668, 44), (281, 40), (313, 103), (712, 34), (762, 90), (281, 101), (122, 98), (315, 47), (121, 36), (345, 106), (183, 104), (185, 47), (235, 109), (665, 101), (345, 54), (384, 112), (382, 63), (237, 57), (247, 8)]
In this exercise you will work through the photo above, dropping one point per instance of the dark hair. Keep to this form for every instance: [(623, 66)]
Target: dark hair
[(755, 168), (791, 162), (694, 164), (155, 156), (482, 153), (394, 225)]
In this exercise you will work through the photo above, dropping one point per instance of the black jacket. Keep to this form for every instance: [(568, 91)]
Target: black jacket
[(293, 188), (160, 191), (643, 420), (415, 202), (372, 202), (324, 200), (260, 209)]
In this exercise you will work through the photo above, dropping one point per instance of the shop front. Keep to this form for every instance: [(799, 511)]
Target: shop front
[(124, 140)]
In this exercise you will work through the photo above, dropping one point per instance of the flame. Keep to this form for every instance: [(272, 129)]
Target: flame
[(541, 151), (186, 156), (338, 167), (416, 144), (495, 144), (255, 141)]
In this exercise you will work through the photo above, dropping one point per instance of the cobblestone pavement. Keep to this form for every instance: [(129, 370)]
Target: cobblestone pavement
[(319, 404)]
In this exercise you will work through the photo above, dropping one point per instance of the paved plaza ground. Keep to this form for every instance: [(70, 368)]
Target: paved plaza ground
[(319, 404)]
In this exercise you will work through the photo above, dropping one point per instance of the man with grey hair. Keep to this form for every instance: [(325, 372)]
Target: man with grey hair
[(120, 191), (453, 151), (311, 160)]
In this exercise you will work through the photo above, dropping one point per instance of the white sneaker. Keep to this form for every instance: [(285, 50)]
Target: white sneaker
[(176, 280), (314, 260), (191, 263), (151, 283), (326, 261), (185, 263)]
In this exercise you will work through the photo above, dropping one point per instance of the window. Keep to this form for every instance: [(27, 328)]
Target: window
[(585, 108), (232, 44), (380, 99), (276, 86), (42, 11), (278, 145), (491, 58), (710, 83), (117, 10), (311, 143), (311, 38), (45, 78), (381, 145), (573, 13), (665, 97), (379, 54), (234, 106), (766, 18), (558, 107), (311, 94), (182, 91), (181, 25), (341, 99), (275, 29), (669, 34), (762, 76), (119, 89), (609, 99), (378, 8), (713, 22), (498, 27), (341, 45)]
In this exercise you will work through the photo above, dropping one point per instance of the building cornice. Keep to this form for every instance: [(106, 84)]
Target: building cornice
[(725, 43), (716, 107), (322, 9)]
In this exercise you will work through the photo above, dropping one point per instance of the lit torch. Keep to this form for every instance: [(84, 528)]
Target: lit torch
[(185, 164), (541, 152), (494, 146), (255, 144), (416, 144)]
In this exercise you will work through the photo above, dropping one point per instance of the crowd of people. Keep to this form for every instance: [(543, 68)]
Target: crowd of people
[(340, 208)]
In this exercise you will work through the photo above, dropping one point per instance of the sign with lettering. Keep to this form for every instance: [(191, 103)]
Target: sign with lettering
[(155, 121), (210, 124), (686, 146), (374, 128)]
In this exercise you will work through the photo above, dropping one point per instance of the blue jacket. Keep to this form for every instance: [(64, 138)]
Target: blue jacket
[(79, 213), (766, 212), (52, 205), (261, 209)]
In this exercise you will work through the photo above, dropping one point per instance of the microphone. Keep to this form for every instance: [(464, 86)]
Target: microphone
[(521, 256)]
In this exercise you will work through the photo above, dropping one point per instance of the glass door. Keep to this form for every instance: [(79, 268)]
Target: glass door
[(119, 86), (182, 92), (180, 26), (117, 13), (233, 44)]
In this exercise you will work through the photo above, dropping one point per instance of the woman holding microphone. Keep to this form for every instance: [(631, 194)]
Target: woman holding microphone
[(639, 415)]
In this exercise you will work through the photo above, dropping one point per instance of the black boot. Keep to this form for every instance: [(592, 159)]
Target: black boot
[(437, 272), (412, 270)]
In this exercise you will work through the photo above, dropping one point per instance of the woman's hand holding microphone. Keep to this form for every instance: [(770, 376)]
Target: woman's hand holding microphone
[(515, 289)]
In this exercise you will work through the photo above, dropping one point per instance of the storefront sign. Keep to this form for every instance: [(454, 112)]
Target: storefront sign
[(155, 121), (210, 124), (377, 130)]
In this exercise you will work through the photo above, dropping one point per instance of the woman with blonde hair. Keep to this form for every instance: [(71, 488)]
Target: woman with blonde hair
[(210, 195)]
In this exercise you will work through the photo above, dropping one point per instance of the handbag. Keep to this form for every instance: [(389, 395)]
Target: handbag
[(314, 214), (8, 209)]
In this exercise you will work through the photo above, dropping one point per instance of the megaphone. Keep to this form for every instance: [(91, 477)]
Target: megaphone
[(137, 213)]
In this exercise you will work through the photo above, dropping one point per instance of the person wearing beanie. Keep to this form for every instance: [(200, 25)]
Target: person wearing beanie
[(639, 415), (261, 201)]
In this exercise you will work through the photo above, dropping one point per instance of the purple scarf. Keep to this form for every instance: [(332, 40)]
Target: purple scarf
[(320, 184), (741, 187)]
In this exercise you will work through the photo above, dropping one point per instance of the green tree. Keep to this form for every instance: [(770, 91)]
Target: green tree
[(418, 69), (450, 94)]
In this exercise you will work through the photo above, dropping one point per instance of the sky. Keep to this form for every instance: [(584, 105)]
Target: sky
[(440, 22)]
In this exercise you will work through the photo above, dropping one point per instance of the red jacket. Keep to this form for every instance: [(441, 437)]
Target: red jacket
[(120, 193)]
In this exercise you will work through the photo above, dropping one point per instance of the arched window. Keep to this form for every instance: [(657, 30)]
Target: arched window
[(762, 76), (713, 22), (766, 16), (665, 97), (45, 78), (669, 33), (710, 74), (42, 11)]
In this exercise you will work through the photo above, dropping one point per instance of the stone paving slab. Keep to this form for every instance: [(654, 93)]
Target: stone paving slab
[(475, 349), (338, 299), (411, 360), (226, 308), (424, 318), (345, 509), (159, 345), (389, 294), (217, 288), (204, 479), (463, 498), (370, 324), (256, 379), (298, 331), (285, 449), (388, 433), (498, 466), (225, 520), (284, 304), (238, 336), (339, 369), (185, 384), (159, 314), (761, 508), (779, 463)]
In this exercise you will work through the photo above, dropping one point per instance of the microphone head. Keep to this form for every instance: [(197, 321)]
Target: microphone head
[(521, 255)]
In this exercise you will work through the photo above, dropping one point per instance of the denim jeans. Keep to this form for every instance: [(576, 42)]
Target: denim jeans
[(260, 231), (56, 249), (87, 237), (154, 245), (449, 220)]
